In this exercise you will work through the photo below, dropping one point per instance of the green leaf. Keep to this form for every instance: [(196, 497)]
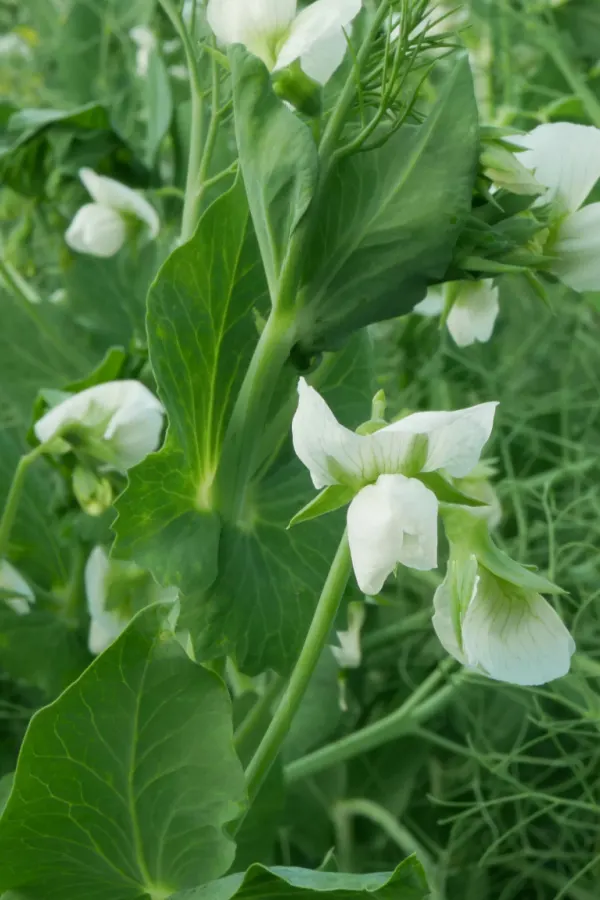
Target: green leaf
[(446, 492), (390, 218), (27, 154), (124, 784), (259, 608), (278, 158), (201, 334), (159, 104), (328, 500), (280, 883), (40, 650)]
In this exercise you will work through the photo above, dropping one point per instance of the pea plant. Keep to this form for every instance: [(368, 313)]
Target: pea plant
[(217, 501)]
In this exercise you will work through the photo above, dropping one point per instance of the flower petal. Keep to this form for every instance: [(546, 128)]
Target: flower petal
[(325, 56), (105, 625), (578, 250), (433, 304), (391, 521), (258, 24), (124, 413), (317, 22), (515, 635), (108, 192), (456, 439), (96, 230), (565, 158), (474, 312), (321, 443), (12, 580), (444, 621)]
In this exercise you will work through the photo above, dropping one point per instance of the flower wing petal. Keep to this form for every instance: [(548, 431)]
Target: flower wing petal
[(578, 250), (12, 580), (514, 635), (325, 56), (565, 158), (108, 192), (320, 440), (474, 312), (443, 621), (97, 230), (312, 26), (379, 519), (432, 304)]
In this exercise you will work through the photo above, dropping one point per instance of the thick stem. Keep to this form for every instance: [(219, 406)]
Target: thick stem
[(316, 639), (418, 707), (249, 415), (191, 204), (14, 496)]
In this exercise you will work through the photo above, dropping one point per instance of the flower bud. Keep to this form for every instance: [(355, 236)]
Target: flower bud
[(93, 494), (96, 230)]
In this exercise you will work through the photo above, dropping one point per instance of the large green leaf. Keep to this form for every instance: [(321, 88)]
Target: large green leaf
[(278, 158), (124, 784), (389, 219), (279, 883), (201, 334)]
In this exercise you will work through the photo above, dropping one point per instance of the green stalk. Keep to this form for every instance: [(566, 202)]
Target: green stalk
[(263, 704), (418, 707), (316, 639), (550, 41), (14, 496), (191, 204)]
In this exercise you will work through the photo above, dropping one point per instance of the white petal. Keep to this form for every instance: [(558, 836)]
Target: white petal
[(578, 250), (12, 580), (392, 521), (258, 24), (456, 439), (565, 158), (143, 36), (324, 57), (514, 635), (103, 633), (123, 413), (320, 440), (96, 230), (109, 192), (474, 312), (105, 624), (433, 304), (313, 26), (445, 624)]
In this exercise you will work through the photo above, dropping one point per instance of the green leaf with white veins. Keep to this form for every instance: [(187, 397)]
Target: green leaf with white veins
[(278, 158), (125, 783), (201, 334), (287, 883), (389, 219)]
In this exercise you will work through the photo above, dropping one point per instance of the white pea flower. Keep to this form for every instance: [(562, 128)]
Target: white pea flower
[(500, 630), (349, 655), (118, 423), (473, 313), (393, 516), (14, 590), (145, 41), (115, 591), (105, 624), (565, 159), (277, 34), (100, 228)]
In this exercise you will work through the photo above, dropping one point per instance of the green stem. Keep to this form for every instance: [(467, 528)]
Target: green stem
[(191, 204), (316, 639), (417, 708), (263, 704), (549, 40), (396, 832), (14, 496), (211, 137), (249, 415)]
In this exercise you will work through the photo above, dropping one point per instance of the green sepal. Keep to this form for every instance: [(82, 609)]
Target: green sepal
[(446, 492), (328, 500)]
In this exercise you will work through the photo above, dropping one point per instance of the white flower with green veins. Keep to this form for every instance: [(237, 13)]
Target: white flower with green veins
[(565, 159), (392, 517), (473, 312), (278, 34), (14, 590), (100, 228)]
